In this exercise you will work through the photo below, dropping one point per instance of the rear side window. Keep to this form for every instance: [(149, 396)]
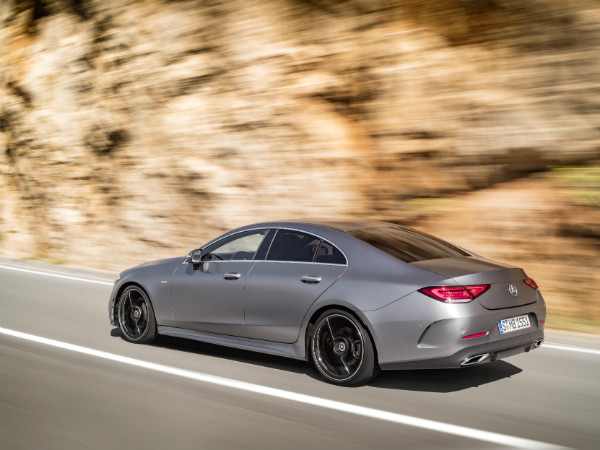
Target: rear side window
[(290, 245), (329, 254), (406, 244)]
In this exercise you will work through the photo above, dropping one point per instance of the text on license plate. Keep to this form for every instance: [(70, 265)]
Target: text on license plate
[(513, 324)]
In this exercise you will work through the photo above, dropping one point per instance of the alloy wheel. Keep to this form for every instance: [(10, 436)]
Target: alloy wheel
[(134, 314), (338, 346)]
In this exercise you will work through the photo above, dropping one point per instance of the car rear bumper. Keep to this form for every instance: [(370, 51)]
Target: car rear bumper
[(494, 351), (420, 332)]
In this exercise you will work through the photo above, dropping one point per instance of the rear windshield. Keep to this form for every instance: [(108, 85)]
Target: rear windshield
[(406, 244)]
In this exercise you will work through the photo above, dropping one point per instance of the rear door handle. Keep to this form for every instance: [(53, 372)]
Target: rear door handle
[(231, 276), (310, 279)]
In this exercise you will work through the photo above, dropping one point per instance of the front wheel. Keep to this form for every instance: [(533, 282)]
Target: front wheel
[(136, 316), (342, 350)]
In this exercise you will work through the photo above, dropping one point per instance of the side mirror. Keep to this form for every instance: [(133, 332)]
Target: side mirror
[(194, 257)]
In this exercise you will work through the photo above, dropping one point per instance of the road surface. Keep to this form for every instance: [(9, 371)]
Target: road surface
[(67, 380)]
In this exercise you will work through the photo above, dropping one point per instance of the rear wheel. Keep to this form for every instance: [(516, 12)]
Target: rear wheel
[(342, 350), (136, 316)]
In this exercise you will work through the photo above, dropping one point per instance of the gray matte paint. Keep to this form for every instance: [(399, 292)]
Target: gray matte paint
[(205, 300), (276, 299), (268, 308)]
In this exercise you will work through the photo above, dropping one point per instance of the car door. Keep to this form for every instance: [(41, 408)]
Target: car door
[(210, 297), (281, 288)]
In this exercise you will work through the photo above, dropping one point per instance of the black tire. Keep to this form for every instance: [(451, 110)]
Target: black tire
[(342, 350), (136, 316)]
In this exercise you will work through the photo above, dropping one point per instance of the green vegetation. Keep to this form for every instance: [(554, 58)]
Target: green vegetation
[(582, 184), (429, 205), (572, 323), (47, 259)]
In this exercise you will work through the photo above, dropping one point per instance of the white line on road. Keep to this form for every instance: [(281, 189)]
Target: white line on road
[(502, 440), (56, 275), (571, 349)]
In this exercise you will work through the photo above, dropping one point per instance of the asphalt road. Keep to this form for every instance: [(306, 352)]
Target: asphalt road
[(56, 396)]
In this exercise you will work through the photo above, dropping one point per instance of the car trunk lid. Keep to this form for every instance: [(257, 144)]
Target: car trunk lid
[(472, 271)]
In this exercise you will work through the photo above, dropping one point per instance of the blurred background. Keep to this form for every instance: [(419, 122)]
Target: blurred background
[(136, 130)]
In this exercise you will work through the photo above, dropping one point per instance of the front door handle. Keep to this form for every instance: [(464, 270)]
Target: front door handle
[(310, 279), (231, 276)]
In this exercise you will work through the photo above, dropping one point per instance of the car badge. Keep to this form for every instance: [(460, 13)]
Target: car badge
[(513, 290)]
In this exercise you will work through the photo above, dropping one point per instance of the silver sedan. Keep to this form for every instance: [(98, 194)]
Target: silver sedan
[(353, 297)]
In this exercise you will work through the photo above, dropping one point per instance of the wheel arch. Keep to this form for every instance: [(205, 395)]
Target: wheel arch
[(315, 315), (118, 297)]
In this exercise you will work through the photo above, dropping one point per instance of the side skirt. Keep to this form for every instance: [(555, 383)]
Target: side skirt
[(272, 348)]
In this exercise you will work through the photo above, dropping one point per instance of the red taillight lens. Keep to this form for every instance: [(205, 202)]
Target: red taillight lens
[(455, 294), (531, 283)]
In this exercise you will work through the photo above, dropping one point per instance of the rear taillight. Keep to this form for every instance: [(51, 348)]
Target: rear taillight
[(455, 294), (531, 283)]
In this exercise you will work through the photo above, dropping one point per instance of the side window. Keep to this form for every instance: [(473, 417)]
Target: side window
[(240, 246), (330, 254), (289, 245)]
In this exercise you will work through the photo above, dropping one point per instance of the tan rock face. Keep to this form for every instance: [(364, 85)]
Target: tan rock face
[(137, 130)]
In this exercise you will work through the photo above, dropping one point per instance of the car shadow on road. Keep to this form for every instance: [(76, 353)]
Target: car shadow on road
[(445, 380), (440, 380), (229, 353)]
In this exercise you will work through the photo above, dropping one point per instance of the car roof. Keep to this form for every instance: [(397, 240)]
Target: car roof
[(342, 225)]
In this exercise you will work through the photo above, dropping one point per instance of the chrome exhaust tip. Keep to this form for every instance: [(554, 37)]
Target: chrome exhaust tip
[(538, 343), (474, 360)]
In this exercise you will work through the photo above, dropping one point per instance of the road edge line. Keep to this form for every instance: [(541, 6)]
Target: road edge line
[(56, 275), (570, 348)]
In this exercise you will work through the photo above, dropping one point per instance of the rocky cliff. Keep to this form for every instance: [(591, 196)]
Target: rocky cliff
[(132, 130)]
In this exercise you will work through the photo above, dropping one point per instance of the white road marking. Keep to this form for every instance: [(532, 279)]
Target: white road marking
[(502, 440), (571, 349), (56, 275)]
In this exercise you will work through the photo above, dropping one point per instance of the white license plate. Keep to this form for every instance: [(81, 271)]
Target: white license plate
[(513, 324)]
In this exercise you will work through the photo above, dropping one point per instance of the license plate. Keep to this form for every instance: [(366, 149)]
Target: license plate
[(513, 324)]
